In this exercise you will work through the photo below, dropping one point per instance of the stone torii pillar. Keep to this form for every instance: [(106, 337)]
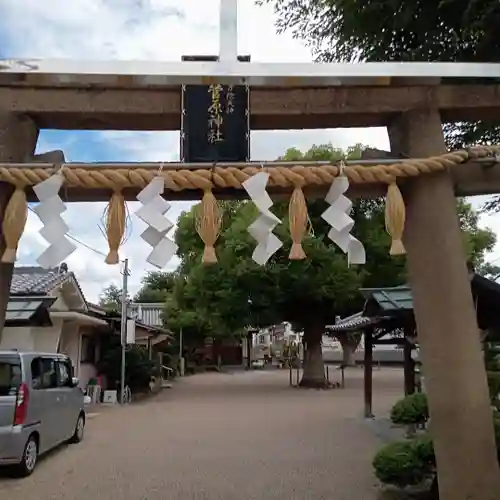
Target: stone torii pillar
[(455, 377), (18, 138)]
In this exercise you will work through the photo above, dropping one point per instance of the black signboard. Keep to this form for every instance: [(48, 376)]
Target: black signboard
[(215, 123)]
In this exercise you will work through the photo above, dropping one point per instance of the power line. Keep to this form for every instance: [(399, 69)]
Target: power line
[(76, 240)]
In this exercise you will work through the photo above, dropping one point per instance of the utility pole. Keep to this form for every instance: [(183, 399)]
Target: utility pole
[(123, 327)]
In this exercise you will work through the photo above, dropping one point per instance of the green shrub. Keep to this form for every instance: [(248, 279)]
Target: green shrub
[(494, 386), (424, 449), (412, 409), (409, 462), (138, 367), (496, 423), (405, 463)]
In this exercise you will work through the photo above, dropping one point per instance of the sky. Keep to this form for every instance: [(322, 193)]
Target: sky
[(146, 30)]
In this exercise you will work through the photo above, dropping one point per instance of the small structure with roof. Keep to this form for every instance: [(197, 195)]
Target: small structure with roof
[(388, 319)]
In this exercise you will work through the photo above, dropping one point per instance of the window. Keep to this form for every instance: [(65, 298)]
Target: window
[(49, 374), (262, 339), (43, 373), (36, 374), (10, 375), (88, 349), (64, 374)]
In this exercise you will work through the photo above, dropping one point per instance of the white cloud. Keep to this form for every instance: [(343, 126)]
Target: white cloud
[(147, 30)]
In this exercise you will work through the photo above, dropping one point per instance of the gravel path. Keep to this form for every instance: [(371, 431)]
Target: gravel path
[(245, 436)]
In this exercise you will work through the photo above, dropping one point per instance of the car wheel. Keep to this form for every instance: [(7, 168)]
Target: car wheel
[(79, 429), (30, 458)]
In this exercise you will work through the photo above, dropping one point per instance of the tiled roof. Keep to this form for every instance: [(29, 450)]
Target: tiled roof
[(398, 298), (351, 323), (37, 281)]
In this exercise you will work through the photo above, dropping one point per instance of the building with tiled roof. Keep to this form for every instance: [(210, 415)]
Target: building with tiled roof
[(47, 312)]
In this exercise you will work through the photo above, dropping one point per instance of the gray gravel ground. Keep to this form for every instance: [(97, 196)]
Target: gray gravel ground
[(238, 436)]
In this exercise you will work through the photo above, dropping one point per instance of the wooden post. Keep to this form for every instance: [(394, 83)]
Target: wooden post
[(18, 138), (461, 417), (368, 373), (249, 350)]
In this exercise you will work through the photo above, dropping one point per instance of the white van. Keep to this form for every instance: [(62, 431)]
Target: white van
[(41, 406)]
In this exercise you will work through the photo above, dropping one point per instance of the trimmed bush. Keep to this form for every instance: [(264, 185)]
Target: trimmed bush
[(405, 463), (411, 410), (494, 386), (410, 462)]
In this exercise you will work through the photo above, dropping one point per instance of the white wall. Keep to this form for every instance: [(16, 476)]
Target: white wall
[(60, 303), (87, 371), (46, 338), (32, 338), (70, 343), (18, 337)]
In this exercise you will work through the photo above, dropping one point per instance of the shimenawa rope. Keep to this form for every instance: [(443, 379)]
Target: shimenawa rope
[(209, 217)]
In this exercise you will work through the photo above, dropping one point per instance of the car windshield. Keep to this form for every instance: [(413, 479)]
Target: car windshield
[(10, 375)]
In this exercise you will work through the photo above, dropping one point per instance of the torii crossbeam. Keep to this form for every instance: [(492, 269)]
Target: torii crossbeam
[(228, 70)]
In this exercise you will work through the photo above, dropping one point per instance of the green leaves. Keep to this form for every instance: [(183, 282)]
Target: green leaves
[(412, 409), (110, 298), (405, 463), (401, 30), (235, 293)]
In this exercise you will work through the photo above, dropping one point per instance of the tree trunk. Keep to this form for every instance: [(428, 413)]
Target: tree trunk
[(313, 375), (349, 345)]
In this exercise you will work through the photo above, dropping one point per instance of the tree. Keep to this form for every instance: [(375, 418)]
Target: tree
[(478, 241), (110, 298), (236, 293), (179, 313), (138, 367), (394, 30), (156, 286), (401, 30)]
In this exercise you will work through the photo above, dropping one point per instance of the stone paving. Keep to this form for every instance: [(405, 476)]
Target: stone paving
[(245, 436)]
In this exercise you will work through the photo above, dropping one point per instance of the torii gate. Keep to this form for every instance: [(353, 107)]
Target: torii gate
[(406, 97)]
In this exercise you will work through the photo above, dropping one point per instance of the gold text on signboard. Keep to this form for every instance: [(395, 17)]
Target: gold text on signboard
[(230, 100), (215, 114)]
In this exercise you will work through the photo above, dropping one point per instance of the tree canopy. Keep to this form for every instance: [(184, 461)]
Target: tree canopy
[(155, 287), (393, 30), (110, 298), (242, 293), (401, 30)]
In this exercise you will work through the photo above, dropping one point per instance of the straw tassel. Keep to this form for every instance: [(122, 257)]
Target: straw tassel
[(115, 226), (208, 225), (298, 219), (395, 214), (14, 222)]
